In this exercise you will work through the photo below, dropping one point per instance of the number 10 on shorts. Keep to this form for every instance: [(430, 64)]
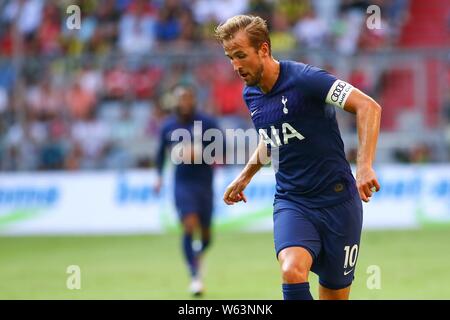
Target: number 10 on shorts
[(350, 256)]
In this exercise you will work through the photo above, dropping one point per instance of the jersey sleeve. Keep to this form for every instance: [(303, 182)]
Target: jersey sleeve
[(325, 87), (244, 97)]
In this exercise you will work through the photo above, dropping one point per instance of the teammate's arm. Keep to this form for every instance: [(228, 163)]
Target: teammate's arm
[(235, 191), (368, 114)]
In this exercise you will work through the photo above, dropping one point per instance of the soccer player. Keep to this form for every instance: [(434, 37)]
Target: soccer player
[(193, 180), (317, 206)]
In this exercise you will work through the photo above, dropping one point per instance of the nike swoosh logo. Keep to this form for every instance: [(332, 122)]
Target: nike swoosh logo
[(252, 113), (347, 272)]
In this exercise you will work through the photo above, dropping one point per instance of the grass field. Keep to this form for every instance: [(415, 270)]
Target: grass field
[(414, 265)]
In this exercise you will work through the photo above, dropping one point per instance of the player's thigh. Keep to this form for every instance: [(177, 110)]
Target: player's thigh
[(188, 207), (340, 234), (206, 209), (291, 228), (187, 213)]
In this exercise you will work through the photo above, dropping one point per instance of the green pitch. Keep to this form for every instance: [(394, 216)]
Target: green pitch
[(413, 264)]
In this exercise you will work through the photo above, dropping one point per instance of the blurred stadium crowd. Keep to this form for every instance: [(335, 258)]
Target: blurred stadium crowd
[(95, 97)]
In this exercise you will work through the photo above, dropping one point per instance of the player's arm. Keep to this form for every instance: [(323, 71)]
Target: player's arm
[(322, 85), (368, 115), (235, 191), (160, 158)]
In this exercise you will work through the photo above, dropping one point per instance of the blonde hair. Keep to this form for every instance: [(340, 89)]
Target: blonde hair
[(255, 28)]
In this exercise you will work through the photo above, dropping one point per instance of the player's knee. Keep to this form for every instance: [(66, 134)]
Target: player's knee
[(188, 228), (294, 273), (190, 223)]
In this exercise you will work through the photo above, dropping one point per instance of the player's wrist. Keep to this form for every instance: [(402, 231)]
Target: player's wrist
[(364, 165)]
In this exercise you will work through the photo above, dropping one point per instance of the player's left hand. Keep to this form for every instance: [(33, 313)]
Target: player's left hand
[(367, 183)]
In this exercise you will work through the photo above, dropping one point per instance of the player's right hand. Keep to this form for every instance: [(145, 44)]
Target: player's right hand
[(157, 186), (235, 192)]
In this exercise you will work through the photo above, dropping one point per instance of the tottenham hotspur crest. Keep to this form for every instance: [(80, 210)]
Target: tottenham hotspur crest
[(284, 101)]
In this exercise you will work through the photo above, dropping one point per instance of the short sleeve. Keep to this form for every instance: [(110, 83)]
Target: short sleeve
[(325, 87), (244, 97)]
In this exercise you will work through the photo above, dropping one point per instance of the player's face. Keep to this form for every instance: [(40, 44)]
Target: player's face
[(186, 102), (246, 60)]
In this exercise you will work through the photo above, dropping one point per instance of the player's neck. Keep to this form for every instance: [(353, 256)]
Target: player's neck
[(270, 75), (186, 118)]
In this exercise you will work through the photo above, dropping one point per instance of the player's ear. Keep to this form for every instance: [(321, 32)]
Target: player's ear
[(264, 50)]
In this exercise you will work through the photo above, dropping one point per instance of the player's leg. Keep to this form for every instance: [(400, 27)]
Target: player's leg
[(202, 202), (188, 205), (190, 222), (342, 225), (187, 209), (205, 241), (297, 243), (206, 215), (330, 294), (205, 237), (295, 263)]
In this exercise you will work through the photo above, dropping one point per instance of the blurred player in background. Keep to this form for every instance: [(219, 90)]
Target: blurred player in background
[(193, 181), (317, 207)]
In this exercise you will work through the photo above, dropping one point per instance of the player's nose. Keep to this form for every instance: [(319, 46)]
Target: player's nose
[(236, 66)]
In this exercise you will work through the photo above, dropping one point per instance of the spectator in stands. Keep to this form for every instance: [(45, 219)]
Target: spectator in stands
[(420, 153), (137, 28), (6, 40), (44, 99), (218, 10), (92, 135), (53, 149), (108, 17), (349, 25), (23, 140), (26, 14), (90, 79), (282, 39), (74, 158), (145, 81), (103, 62), (293, 10), (311, 32), (190, 33), (168, 24), (226, 95), (48, 33), (117, 82), (262, 8), (80, 101)]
